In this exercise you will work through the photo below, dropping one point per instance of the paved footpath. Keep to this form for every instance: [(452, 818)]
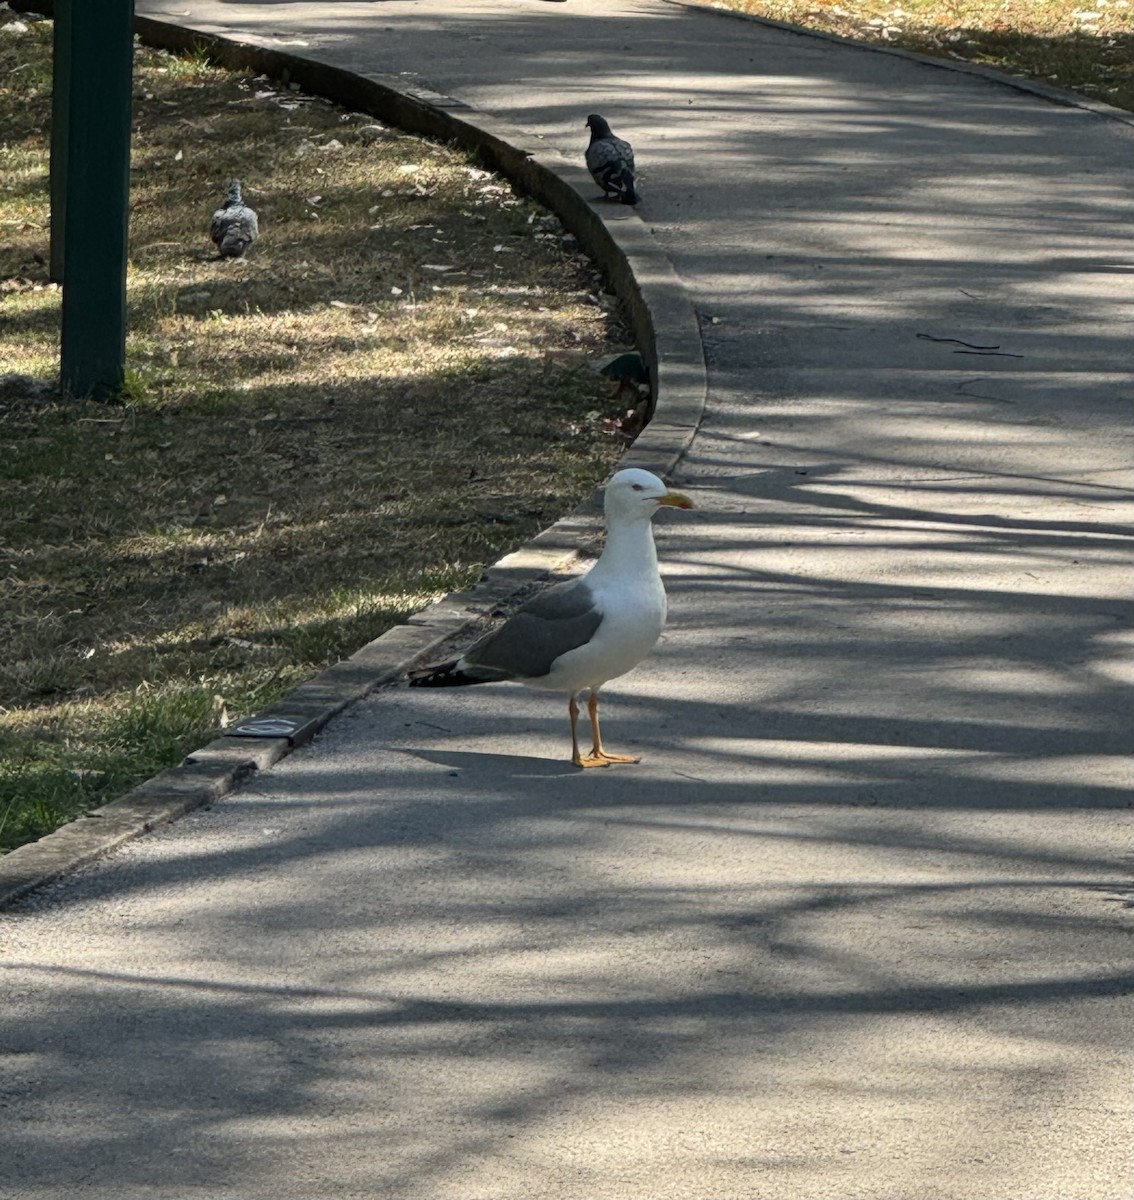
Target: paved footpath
[(860, 923)]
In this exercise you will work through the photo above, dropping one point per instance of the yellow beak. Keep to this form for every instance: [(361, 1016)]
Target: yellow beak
[(676, 500)]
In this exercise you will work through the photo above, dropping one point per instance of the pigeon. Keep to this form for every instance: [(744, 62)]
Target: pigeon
[(610, 161), (234, 226), (575, 636)]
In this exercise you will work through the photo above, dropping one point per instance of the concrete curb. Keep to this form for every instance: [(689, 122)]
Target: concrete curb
[(1031, 87), (665, 328)]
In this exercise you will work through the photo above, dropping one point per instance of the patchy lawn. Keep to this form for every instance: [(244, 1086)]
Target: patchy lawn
[(395, 387)]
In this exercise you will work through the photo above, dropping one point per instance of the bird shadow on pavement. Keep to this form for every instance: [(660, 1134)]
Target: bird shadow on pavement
[(517, 766)]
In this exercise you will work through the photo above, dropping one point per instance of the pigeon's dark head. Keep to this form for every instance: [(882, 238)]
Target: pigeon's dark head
[(598, 126), (234, 196)]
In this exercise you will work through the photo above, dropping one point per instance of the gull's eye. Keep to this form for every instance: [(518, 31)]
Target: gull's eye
[(636, 486)]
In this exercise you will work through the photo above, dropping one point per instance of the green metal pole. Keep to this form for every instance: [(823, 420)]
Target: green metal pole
[(93, 360), (60, 114)]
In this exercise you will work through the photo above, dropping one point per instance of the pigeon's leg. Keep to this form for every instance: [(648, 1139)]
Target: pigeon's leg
[(599, 757)]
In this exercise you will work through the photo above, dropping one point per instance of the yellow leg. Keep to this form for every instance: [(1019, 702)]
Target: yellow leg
[(598, 757), (573, 712), (576, 758)]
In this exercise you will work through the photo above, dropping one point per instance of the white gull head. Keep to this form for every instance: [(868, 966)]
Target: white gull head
[(635, 495)]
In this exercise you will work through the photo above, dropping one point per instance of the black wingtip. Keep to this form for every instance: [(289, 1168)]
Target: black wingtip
[(446, 675)]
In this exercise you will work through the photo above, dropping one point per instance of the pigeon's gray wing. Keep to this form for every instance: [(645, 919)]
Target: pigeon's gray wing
[(611, 163), (234, 228), (562, 618), (602, 155), (608, 153), (625, 154)]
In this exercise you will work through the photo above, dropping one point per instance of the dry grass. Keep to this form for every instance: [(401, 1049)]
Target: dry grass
[(1085, 46), (394, 388)]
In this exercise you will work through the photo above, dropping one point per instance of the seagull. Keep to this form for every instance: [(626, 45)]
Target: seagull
[(576, 636), (610, 161), (234, 226)]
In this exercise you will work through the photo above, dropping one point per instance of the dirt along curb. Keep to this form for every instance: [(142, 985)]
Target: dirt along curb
[(665, 329)]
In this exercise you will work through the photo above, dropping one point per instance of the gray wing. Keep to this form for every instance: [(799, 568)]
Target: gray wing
[(219, 225), (625, 154), (234, 227), (611, 163), (562, 618), (609, 154), (251, 222)]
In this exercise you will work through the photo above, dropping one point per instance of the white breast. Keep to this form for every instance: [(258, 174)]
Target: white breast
[(628, 590)]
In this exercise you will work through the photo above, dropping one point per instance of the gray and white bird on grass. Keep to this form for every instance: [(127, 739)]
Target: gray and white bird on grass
[(234, 226), (610, 161), (576, 636)]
